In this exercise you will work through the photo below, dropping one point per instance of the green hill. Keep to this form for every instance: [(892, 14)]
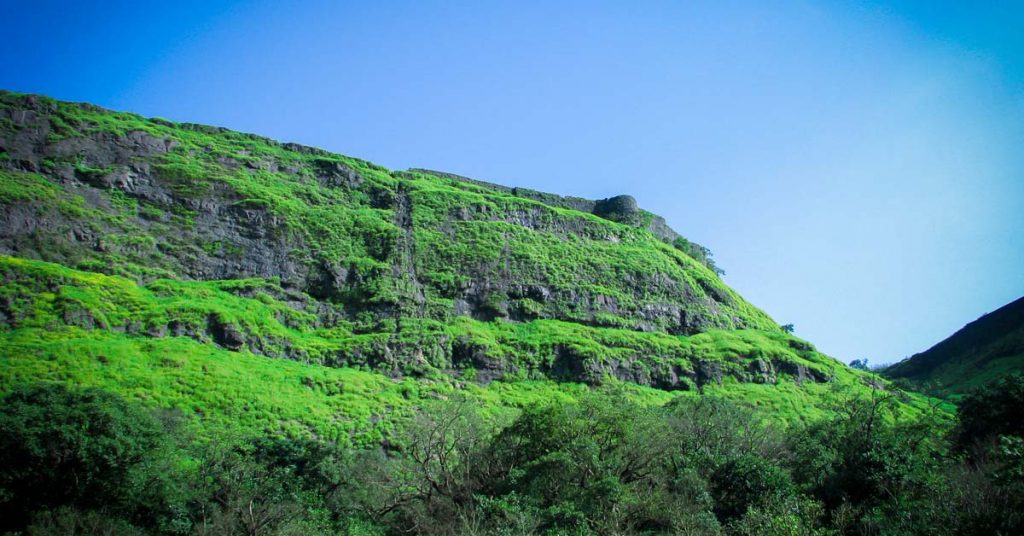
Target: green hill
[(208, 332), (155, 258), (989, 348)]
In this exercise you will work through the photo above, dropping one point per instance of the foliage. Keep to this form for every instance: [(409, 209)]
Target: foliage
[(992, 411), (62, 448), (860, 364), (599, 464), (192, 371)]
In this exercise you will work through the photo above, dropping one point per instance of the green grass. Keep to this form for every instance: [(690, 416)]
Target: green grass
[(17, 186), (226, 391), (126, 352)]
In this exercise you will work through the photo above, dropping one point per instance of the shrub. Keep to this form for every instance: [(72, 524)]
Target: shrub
[(991, 411), (60, 447)]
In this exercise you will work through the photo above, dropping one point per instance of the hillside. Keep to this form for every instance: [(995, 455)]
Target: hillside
[(989, 348), (142, 237), (206, 332)]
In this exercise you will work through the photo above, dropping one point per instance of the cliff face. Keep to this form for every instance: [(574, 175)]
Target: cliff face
[(301, 253), (986, 349)]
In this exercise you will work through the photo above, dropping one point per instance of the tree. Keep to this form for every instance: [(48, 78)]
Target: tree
[(235, 493), (991, 411), (429, 480), (60, 447), (989, 484), (791, 515), (859, 364), (788, 328), (747, 481), (874, 473), (602, 465), (709, 429), (71, 521)]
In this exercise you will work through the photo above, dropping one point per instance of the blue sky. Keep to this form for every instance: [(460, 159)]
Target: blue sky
[(857, 168)]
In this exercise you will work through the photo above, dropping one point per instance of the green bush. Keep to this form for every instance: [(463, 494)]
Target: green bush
[(60, 447), (601, 463), (991, 411)]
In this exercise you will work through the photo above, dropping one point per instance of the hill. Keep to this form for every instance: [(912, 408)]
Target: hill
[(989, 348), (135, 250), (209, 332)]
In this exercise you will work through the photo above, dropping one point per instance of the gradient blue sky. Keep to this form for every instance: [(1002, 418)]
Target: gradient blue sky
[(857, 168)]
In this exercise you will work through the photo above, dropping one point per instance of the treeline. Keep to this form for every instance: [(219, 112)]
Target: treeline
[(89, 462)]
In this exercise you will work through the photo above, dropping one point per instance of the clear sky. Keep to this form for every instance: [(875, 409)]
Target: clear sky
[(857, 168)]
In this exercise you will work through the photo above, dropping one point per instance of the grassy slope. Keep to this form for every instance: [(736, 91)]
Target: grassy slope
[(246, 393), (251, 393), (101, 317)]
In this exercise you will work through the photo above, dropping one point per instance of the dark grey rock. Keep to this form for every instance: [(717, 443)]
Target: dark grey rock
[(621, 208), (225, 334)]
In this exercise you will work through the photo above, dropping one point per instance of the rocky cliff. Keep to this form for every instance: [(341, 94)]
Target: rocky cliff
[(157, 229)]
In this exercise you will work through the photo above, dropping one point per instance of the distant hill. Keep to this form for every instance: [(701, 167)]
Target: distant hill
[(989, 347)]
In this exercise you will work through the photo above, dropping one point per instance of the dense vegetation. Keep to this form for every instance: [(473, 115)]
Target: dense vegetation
[(89, 462), (987, 349)]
